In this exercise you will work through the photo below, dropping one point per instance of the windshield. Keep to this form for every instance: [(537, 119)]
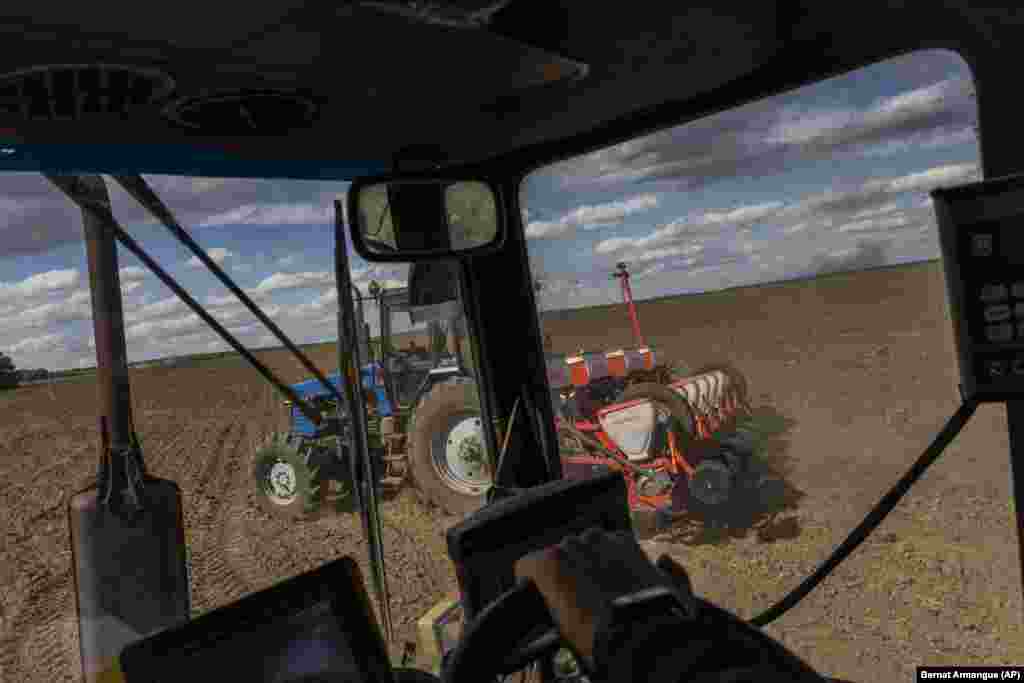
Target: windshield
[(256, 511), (792, 241)]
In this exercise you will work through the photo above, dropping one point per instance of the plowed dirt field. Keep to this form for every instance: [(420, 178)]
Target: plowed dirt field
[(860, 365)]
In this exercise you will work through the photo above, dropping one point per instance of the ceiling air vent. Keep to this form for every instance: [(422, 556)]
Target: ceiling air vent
[(249, 112), (67, 92)]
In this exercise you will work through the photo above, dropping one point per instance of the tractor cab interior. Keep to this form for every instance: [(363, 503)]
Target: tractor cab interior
[(519, 171)]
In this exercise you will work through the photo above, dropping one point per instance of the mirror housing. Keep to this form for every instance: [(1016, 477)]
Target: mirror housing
[(414, 218)]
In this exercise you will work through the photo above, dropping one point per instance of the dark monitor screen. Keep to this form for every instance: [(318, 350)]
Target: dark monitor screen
[(301, 647), (315, 627)]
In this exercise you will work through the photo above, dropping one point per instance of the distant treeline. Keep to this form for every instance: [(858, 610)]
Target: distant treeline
[(32, 375)]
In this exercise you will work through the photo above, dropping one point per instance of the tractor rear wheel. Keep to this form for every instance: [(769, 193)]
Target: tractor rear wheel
[(447, 456), (286, 486)]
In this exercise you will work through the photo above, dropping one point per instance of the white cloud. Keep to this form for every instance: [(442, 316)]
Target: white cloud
[(547, 229), (809, 127), (590, 217), (652, 270), (706, 224), (330, 297), (877, 211), (40, 284), (242, 268), (611, 212), (282, 281), (131, 274), (165, 329), (75, 307), (40, 344), (864, 209), (272, 214), (667, 252), (163, 308), (226, 300), (741, 214), (876, 225), (924, 181), (218, 255), (614, 244), (289, 260), (766, 138), (129, 287)]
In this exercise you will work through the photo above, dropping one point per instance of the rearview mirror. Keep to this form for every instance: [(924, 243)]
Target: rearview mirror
[(415, 220)]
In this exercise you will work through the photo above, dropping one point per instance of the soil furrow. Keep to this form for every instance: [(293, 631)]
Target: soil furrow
[(215, 581), (26, 647)]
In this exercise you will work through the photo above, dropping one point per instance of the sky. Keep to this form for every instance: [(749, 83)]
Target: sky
[(834, 176)]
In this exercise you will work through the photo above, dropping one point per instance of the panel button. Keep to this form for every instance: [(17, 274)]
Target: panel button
[(993, 292), (1018, 290), (1018, 366), (996, 368), (1018, 309), (999, 333), (981, 244), (1020, 330), (997, 313)]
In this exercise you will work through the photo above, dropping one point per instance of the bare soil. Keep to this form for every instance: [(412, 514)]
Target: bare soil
[(860, 365)]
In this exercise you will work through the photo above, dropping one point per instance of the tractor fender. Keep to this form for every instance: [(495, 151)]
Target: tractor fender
[(434, 377)]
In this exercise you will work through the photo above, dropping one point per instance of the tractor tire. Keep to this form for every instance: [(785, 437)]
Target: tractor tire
[(285, 486), (450, 410), (676, 404)]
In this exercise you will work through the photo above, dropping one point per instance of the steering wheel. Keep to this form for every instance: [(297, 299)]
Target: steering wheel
[(521, 617)]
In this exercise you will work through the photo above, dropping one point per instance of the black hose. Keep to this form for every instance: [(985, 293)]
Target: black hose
[(874, 518)]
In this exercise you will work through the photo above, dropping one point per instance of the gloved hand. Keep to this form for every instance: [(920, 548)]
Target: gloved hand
[(581, 575)]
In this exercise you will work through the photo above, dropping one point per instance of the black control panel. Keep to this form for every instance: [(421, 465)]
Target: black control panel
[(981, 230)]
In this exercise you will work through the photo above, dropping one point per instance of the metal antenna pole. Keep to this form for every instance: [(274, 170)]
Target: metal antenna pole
[(627, 295)]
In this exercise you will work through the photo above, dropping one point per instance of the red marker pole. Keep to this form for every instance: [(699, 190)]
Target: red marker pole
[(627, 294)]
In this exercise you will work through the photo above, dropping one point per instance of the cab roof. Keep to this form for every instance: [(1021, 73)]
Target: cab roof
[(341, 89)]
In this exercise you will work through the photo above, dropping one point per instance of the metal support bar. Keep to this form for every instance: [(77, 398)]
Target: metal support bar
[(72, 187), (108, 325), (384, 309), (137, 188), (364, 478), (1015, 420)]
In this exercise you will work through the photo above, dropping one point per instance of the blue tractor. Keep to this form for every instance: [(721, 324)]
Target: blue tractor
[(424, 421)]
